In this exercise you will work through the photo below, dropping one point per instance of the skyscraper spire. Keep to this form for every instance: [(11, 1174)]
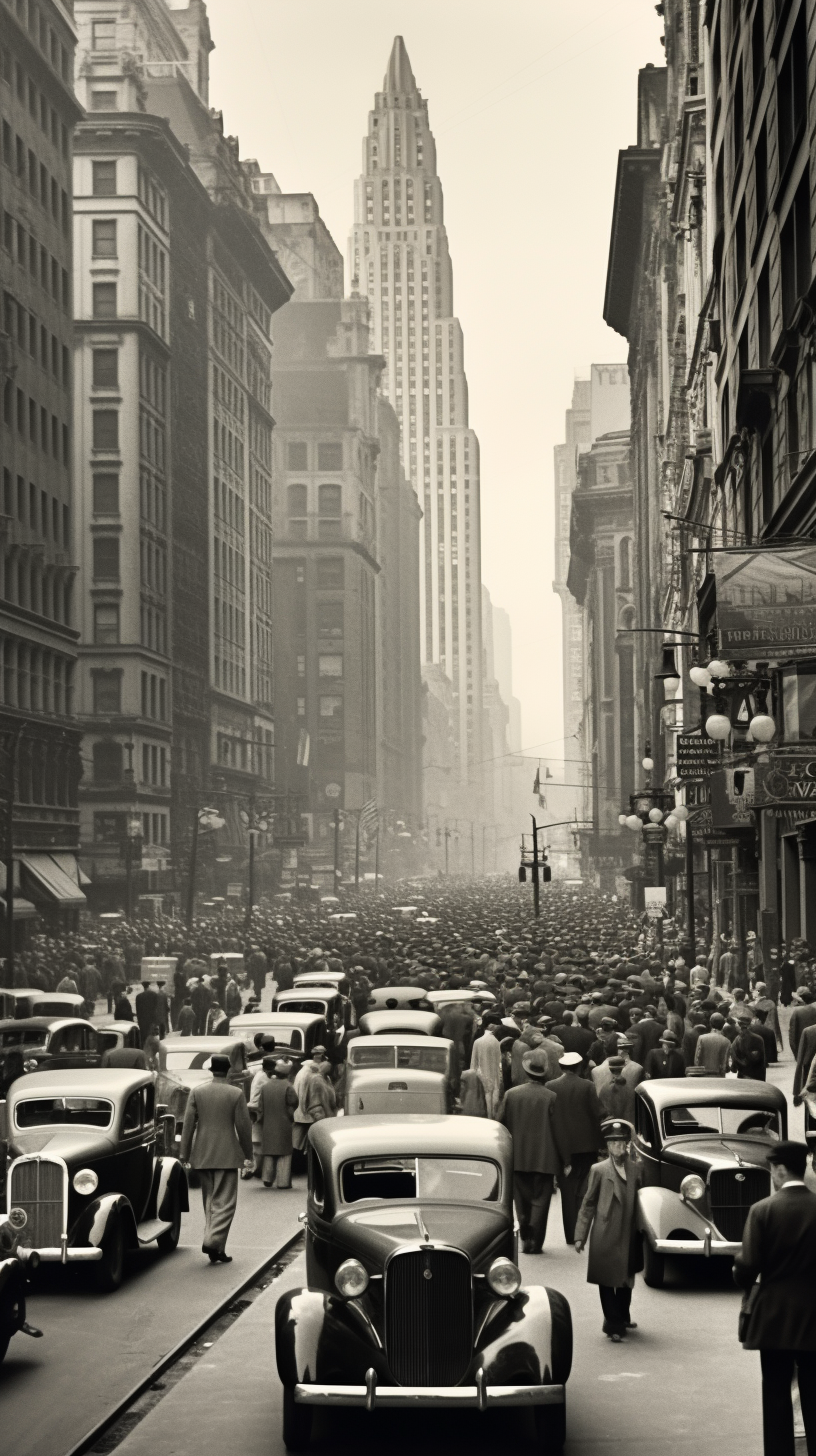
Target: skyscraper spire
[(399, 78)]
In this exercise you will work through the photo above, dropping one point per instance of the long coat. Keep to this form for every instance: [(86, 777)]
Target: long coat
[(486, 1062), (779, 1248), (275, 1105), (577, 1112), (217, 1132), (528, 1112), (608, 1210)]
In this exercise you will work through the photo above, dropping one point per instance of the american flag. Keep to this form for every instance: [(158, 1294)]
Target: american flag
[(369, 818)]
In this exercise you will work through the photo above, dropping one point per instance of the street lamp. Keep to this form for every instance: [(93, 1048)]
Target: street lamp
[(206, 819), (255, 822), (133, 832)]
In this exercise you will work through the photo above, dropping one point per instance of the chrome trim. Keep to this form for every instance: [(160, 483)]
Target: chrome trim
[(479, 1396), (705, 1246), (39, 1158), (83, 1254)]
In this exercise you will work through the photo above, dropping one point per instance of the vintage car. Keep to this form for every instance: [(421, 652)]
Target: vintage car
[(326, 980), (406, 998), (14, 1273), (703, 1143), (295, 1032), (480, 1000), (117, 1034), (185, 1062), (41, 1043), (28, 1002), (87, 1169), (414, 1297), (318, 1001), (398, 1074), (411, 1023)]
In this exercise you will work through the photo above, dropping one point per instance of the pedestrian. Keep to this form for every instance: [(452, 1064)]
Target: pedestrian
[(578, 1118), (122, 1010), (232, 998), (486, 1062), (539, 1155), (151, 1048), (125, 1057), (617, 1097), (201, 1001), (472, 1092), (801, 1016), (275, 1106), (713, 1049), (186, 1019), (68, 986), (146, 1008), (776, 1266), (667, 1060), (748, 1053), (321, 1099), (216, 1140), (217, 1023), (607, 1219)]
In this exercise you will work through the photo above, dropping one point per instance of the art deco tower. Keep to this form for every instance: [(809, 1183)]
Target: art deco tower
[(399, 259)]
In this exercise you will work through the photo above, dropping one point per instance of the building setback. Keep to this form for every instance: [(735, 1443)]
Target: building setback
[(39, 741)]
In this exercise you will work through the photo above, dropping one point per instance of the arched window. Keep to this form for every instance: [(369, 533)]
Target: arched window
[(625, 564), (107, 762)]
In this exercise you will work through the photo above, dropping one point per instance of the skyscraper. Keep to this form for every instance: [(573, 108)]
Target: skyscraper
[(399, 260)]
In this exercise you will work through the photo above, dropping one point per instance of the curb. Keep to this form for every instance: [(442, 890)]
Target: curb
[(89, 1440)]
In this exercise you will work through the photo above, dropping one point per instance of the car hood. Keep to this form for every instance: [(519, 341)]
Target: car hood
[(704, 1153), (375, 1230), (74, 1146), (184, 1080)]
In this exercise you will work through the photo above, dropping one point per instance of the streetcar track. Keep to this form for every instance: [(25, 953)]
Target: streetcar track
[(170, 1369)]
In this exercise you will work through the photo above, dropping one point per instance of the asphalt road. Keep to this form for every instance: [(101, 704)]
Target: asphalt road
[(97, 1346)]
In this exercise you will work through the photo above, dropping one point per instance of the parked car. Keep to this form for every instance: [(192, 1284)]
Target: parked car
[(479, 999), (409, 1023), (28, 1002), (13, 1281), (327, 980), (42, 1043), (704, 1144), (414, 1297), (406, 998), (186, 1061), (296, 1033), (117, 1034), (88, 1169), (394, 1075), (316, 1002)]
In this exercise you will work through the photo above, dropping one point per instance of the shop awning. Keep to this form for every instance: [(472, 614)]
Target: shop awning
[(72, 868), (51, 878), (23, 909)]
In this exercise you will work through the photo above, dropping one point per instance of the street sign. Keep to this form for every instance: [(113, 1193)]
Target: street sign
[(654, 898), (697, 757), (235, 891)]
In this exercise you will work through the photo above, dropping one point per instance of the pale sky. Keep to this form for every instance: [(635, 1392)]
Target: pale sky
[(530, 102)]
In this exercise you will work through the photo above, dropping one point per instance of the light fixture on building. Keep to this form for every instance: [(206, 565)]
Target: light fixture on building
[(700, 676), (622, 820), (671, 821), (718, 727), (656, 816), (668, 672), (648, 764), (680, 813), (719, 669), (634, 822), (762, 728)]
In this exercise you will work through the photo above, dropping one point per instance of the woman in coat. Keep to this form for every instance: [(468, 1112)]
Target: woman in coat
[(608, 1210), (275, 1104)]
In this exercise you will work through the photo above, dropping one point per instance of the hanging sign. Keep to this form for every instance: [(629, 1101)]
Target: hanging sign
[(766, 603)]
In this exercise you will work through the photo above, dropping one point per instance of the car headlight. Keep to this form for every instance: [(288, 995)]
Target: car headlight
[(692, 1187), (504, 1278), (85, 1181), (30, 1064), (351, 1279), (18, 1218)]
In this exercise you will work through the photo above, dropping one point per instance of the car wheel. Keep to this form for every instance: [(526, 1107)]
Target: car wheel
[(551, 1427), (109, 1270), (168, 1241), (297, 1422), (654, 1266), (5, 1341)]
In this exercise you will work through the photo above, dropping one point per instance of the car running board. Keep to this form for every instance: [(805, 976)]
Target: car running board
[(151, 1229)]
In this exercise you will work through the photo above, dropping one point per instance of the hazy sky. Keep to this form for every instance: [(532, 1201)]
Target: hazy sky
[(530, 101)]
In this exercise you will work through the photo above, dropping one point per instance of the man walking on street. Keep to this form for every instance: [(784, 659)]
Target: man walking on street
[(779, 1250), (275, 1105), (528, 1112), (713, 1049), (578, 1119), (608, 1210), (216, 1139)]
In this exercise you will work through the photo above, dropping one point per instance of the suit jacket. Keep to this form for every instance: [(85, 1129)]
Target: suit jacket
[(779, 1248), (665, 1064), (804, 1058), (712, 1052), (801, 1016), (217, 1132), (125, 1057), (528, 1113), (577, 1113)]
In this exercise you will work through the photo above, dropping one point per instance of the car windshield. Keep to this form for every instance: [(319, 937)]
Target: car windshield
[(721, 1122), (452, 1180), (59, 1111), (284, 1036), (60, 1007), (372, 1056), (24, 1036), (307, 1007)]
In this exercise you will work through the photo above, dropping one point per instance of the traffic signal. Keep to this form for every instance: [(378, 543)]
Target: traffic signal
[(522, 874), (546, 874)]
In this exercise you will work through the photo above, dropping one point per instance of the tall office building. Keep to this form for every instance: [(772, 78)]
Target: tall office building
[(399, 260)]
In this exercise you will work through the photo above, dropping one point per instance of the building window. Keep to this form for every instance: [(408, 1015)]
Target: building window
[(103, 35), (330, 455), (106, 558), (330, 619), (104, 237), (330, 664), (106, 368), (296, 455), (109, 828), (106, 494), (104, 179), (107, 693), (104, 300), (106, 429), (331, 707), (330, 572), (301, 707), (106, 625), (297, 499), (104, 101), (107, 762)]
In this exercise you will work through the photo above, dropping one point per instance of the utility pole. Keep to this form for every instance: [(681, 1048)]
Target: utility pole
[(357, 857), (447, 841), (535, 869), (377, 861), (192, 879), (336, 849), (253, 834)]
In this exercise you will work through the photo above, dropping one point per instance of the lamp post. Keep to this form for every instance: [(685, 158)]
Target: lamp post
[(255, 821), (11, 754), (336, 881), (133, 832), (202, 819)]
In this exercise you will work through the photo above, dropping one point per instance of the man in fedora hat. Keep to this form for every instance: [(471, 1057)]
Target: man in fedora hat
[(539, 1153), (578, 1118), (607, 1219), (216, 1139), (666, 1060)]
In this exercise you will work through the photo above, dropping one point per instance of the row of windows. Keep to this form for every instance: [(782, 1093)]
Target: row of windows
[(230, 622), (33, 421), (228, 447), (151, 440), (36, 681), (26, 583), (38, 106), (229, 505), (37, 510), (228, 328), (37, 341), (37, 260), (152, 259), (228, 393), (329, 497), (229, 564), (329, 455), (42, 186), (154, 697), (152, 196), (152, 501), (230, 676), (31, 16), (153, 627), (153, 566)]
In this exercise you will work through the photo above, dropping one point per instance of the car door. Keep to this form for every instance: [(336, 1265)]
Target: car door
[(134, 1153), (90, 1054), (647, 1141), (65, 1048)]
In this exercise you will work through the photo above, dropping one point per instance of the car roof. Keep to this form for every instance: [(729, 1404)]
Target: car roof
[(320, 978), (398, 1016), (705, 1091), (467, 993), (118, 1026), (200, 1043), (21, 990), (295, 993), (265, 1019), (400, 1038), (41, 1023), (338, 1138), (113, 1082)]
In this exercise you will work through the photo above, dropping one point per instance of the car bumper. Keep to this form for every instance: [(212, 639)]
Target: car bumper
[(480, 1396), (83, 1254), (707, 1246)]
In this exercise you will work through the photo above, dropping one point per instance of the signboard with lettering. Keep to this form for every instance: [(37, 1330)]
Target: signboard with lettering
[(766, 602), (654, 899), (697, 757), (787, 779)]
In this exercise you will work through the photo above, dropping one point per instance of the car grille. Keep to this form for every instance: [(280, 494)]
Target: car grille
[(38, 1187), (732, 1193), (428, 1316)]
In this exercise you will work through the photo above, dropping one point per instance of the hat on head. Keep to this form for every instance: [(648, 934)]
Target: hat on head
[(269, 1063), (282, 1067), (790, 1155), (623, 1040), (608, 1021), (668, 1038), (318, 1051), (616, 1064), (219, 1065), (616, 1127), (536, 1064), (570, 1059)]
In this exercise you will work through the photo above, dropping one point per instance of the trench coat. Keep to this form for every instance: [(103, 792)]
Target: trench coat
[(608, 1209), (275, 1107)]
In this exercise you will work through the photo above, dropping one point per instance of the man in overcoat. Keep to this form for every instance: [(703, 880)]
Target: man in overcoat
[(608, 1210), (539, 1154), (578, 1118), (216, 1139), (779, 1250), (275, 1105)]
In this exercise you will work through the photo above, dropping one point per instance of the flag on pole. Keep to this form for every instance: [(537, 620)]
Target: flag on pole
[(369, 818)]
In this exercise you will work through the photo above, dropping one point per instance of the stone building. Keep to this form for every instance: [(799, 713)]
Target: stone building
[(39, 741)]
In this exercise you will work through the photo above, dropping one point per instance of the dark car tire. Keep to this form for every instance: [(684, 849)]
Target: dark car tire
[(167, 1242), (551, 1427), (108, 1272), (297, 1422), (654, 1266), (5, 1341)]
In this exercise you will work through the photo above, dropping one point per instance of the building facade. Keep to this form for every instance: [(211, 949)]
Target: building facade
[(40, 764), (400, 262)]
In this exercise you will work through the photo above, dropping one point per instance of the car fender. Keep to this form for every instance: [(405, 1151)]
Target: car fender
[(661, 1211), (528, 1339), (168, 1176), (322, 1338), (92, 1223), (12, 1293)]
